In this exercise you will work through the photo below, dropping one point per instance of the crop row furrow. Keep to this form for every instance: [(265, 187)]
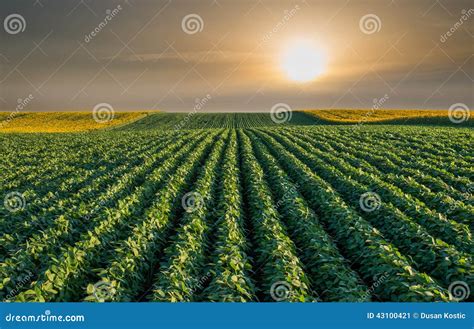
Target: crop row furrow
[(180, 273), (62, 204), (435, 257), (446, 173), (134, 258), (329, 271), (389, 172), (47, 173), (436, 224), (64, 277), (276, 259), (69, 226), (387, 159), (230, 268), (389, 274)]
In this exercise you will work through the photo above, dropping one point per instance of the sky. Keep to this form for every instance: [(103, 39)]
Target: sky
[(69, 55)]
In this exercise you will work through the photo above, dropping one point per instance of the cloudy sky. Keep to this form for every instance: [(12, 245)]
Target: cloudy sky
[(166, 55)]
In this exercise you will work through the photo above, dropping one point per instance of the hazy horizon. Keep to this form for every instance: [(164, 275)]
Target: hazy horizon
[(87, 110), (168, 55)]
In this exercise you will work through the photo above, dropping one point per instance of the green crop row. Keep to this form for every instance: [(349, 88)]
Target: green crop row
[(359, 241), (432, 256), (275, 252), (155, 212), (184, 263), (329, 272), (64, 278), (230, 265)]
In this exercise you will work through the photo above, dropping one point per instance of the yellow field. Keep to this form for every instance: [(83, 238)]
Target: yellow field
[(355, 116), (59, 122)]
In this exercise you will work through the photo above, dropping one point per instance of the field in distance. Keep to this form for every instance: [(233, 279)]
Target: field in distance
[(58, 122), (61, 122), (355, 116)]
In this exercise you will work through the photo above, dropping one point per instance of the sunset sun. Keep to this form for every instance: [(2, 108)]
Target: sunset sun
[(303, 61)]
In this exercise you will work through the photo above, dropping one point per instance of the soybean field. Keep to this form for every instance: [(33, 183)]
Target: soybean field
[(238, 208)]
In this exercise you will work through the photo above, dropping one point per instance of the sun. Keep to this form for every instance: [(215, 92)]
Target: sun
[(302, 61)]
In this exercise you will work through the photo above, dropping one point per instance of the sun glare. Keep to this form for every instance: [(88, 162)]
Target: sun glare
[(303, 61)]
